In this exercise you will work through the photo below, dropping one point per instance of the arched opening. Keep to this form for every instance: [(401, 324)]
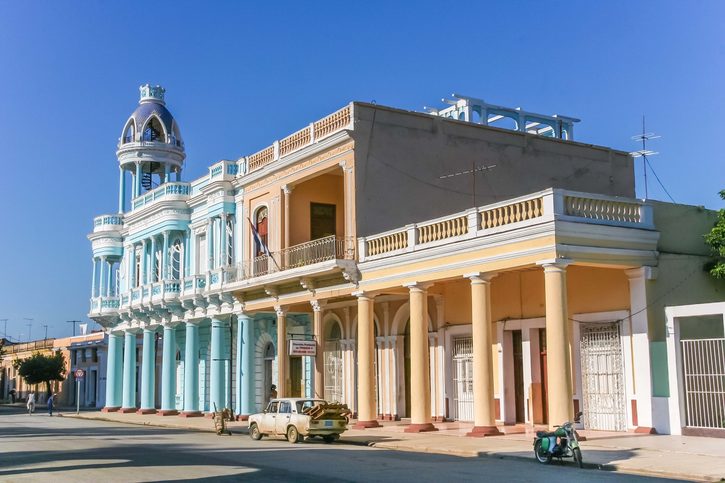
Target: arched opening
[(153, 130), (261, 225), (230, 240), (179, 381), (177, 249), (129, 133), (476, 115), (269, 355), (175, 135), (333, 362), (502, 121)]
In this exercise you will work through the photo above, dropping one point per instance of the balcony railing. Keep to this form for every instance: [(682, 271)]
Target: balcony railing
[(29, 346), (549, 205), (171, 190), (108, 222)]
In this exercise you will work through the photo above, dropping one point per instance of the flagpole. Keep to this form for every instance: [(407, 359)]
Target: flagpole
[(265, 248)]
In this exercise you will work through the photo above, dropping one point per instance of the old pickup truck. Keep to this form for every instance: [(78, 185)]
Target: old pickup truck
[(296, 418)]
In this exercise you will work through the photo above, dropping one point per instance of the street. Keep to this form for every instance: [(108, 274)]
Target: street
[(41, 448)]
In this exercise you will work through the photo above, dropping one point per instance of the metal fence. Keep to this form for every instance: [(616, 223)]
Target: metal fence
[(703, 369)]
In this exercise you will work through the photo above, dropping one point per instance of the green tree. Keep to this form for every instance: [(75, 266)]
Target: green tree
[(716, 240), (41, 368)]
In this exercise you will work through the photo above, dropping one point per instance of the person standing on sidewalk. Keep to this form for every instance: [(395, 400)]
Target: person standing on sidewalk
[(50, 404), (31, 403)]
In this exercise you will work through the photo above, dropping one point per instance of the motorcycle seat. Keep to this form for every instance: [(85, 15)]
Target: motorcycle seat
[(544, 434)]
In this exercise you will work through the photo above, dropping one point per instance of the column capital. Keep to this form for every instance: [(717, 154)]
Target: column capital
[(647, 273), (360, 294), (418, 286), (316, 305), (555, 264), (480, 277), (287, 189), (280, 310)]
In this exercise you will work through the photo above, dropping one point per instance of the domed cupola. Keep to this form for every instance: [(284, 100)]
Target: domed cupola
[(150, 146)]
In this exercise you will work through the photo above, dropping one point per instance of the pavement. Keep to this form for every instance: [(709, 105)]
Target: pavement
[(680, 457)]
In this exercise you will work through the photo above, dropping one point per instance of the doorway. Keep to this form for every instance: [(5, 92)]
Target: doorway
[(519, 396), (295, 374), (322, 220), (544, 377), (269, 355)]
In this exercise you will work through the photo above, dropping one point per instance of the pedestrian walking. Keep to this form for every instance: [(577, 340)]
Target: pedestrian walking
[(31, 403), (12, 395), (50, 403)]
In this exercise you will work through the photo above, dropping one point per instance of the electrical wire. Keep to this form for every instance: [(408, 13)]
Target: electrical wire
[(658, 179)]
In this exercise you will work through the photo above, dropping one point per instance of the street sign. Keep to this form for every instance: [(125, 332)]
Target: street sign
[(79, 373), (302, 347)]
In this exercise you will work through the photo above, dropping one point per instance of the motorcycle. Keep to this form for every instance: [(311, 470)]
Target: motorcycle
[(560, 443)]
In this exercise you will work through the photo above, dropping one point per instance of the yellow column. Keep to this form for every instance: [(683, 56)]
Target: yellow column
[(282, 357), (287, 190), (366, 417), (558, 361), (419, 365), (319, 354), (484, 419)]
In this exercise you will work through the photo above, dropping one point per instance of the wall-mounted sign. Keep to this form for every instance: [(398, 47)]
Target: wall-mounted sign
[(302, 347)]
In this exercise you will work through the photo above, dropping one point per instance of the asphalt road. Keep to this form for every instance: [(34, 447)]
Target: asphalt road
[(41, 448)]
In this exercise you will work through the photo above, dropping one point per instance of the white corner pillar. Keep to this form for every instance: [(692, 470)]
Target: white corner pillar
[(283, 388), (366, 408), (641, 404), (559, 373), (317, 328), (484, 418), (420, 419)]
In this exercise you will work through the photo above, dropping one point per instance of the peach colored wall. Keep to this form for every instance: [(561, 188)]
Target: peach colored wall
[(520, 294), (328, 189)]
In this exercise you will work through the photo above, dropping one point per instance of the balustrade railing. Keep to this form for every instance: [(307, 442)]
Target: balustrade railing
[(108, 220), (548, 205), (174, 188)]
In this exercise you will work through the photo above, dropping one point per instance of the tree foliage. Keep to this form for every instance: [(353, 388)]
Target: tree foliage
[(716, 240), (41, 368)]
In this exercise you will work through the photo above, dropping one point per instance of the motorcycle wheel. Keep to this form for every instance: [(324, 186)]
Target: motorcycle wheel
[(542, 456), (578, 457)]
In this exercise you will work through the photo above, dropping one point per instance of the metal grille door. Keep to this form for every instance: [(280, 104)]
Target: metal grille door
[(333, 371), (602, 378), (463, 378), (703, 369)]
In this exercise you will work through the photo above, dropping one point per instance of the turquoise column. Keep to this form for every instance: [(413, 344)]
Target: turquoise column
[(137, 181), (218, 363), (143, 279), (153, 277), (210, 244), (109, 280), (121, 191), (93, 281), (168, 373), (148, 366), (113, 370), (102, 278), (165, 258), (245, 361), (191, 371), (129, 373)]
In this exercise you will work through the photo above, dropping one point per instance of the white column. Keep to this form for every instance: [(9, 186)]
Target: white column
[(638, 279)]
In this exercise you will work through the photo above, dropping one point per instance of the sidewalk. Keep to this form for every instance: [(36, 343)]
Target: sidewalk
[(684, 457)]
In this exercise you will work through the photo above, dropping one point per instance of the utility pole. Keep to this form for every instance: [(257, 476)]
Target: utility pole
[(46, 331), (74, 322), (5, 330), (30, 326)]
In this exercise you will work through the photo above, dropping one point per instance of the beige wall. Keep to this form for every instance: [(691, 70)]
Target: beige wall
[(401, 155), (326, 188)]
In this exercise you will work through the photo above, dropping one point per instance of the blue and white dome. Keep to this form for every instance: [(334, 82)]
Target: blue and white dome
[(152, 121)]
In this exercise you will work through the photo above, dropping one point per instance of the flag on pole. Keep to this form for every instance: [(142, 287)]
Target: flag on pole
[(260, 243)]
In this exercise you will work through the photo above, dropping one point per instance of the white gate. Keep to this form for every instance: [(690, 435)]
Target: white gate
[(603, 377), (703, 370), (333, 371), (463, 378)]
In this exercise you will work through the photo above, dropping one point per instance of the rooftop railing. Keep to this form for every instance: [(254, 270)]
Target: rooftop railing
[(171, 190), (107, 222), (549, 205)]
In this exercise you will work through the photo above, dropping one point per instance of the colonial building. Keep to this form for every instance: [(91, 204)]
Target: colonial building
[(414, 266)]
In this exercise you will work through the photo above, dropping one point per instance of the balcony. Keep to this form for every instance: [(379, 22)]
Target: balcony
[(105, 305), (172, 191), (107, 223)]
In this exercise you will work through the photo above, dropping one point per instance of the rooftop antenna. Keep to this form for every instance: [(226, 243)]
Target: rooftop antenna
[(5, 330), (45, 326), (74, 322), (474, 169), (644, 152), (30, 325)]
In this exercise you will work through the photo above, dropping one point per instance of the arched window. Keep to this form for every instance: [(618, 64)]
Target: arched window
[(177, 249), (153, 131), (261, 224), (129, 134)]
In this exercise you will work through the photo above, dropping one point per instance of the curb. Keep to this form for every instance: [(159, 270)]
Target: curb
[(145, 423)]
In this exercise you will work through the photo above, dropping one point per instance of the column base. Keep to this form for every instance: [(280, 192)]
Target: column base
[(167, 412), (191, 414), (420, 428), (110, 409), (146, 411), (484, 431), (366, 424), (645, 430), (127, 410)]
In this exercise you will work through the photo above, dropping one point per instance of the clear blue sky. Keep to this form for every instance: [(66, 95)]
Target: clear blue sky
[(239, 76)]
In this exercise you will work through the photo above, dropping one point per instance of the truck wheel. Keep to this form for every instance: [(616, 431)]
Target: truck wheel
[(254, 432), (293, 436)]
